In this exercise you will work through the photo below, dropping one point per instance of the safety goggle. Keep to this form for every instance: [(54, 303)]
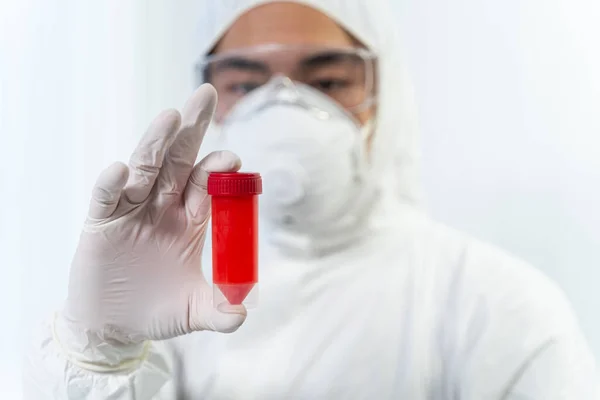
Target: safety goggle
[(346, 75)]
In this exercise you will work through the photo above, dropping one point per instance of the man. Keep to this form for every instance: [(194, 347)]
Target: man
[(362, 296)]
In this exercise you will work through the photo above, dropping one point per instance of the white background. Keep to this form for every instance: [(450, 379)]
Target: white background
[(509, 94)]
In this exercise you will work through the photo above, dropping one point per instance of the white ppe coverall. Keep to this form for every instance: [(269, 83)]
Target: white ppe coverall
[(410, 310)]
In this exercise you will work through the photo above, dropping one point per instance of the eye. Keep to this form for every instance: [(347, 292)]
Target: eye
[(243, 88), (330, 84)]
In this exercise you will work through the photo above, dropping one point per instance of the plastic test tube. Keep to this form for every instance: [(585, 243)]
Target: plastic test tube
[(235, 236)]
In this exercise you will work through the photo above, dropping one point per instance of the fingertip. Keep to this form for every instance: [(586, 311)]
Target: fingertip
[(217, 161), (201, 105), (169, 120), (171, 115), (227, 318), (209, 88), (231, 161), (227, 308), (107, 191), (115, 176), (168, 113), (159, 135)]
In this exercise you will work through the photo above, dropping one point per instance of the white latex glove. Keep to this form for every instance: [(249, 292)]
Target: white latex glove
[(136, 273)]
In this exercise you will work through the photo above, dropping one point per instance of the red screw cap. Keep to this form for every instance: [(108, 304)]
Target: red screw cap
[(234, 183)]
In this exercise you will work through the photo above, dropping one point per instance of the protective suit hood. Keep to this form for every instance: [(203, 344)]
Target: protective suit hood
[(395, 147)]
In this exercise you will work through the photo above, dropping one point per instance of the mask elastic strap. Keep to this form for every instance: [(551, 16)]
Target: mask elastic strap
[(366, 135)]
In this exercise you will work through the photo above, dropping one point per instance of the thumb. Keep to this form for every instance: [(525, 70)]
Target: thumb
[(224, 318), (227, 318)]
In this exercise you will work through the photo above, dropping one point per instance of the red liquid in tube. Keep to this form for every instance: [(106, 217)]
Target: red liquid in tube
[(234, 234)]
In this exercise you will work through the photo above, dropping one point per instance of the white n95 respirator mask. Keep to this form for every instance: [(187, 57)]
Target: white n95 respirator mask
[(311, 155)]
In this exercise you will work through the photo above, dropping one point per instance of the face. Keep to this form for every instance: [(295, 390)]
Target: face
[(311, 48)]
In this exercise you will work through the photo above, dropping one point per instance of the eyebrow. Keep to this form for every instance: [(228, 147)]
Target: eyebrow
[(241, 63), (328, 58)]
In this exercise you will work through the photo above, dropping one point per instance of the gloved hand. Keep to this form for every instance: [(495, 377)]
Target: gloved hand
[(136, 273)]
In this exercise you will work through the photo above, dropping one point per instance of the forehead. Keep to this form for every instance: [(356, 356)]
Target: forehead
[(284, 23)]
